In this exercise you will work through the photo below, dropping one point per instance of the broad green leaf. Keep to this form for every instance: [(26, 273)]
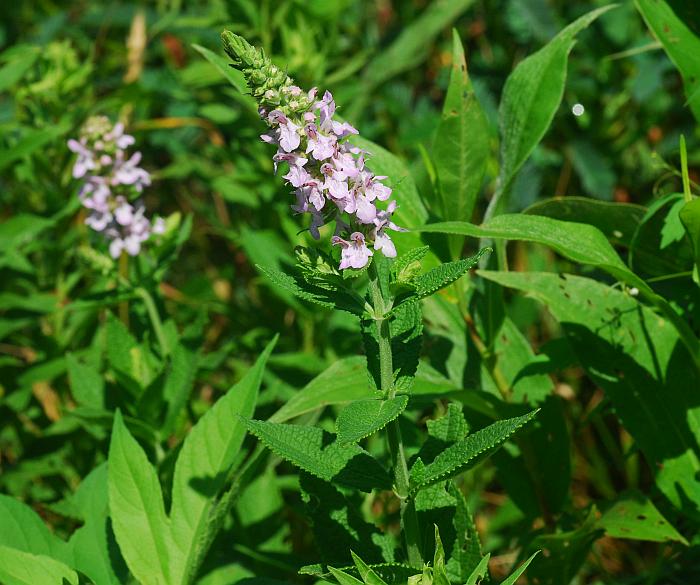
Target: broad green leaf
[(86, 383), (363, 418), (690, 217), (178, 384), (461, 145), (23, 529), (92, 547), (136, 507), (681, 45), (467, 452), (222, 64), (532, 95), (21, 229), (618, 221), (635, 356), (410, 48), (511, 580), (635, 517), (340, 298), (203, 464), (317, 453), (578, 242), (22, 568), (345, 380)]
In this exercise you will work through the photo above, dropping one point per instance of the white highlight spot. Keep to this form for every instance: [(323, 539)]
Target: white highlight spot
[(578, 110), (634, 291)]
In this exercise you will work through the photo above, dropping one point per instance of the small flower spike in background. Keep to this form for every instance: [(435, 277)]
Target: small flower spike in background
[(331, 180), (112, 183)]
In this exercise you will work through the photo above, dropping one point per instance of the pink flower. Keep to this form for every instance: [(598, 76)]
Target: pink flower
[(354, 254)]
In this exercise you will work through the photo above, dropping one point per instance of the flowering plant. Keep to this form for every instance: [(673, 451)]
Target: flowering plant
[(111, 180)]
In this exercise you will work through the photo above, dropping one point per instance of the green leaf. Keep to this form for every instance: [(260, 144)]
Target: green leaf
[(519, 571), (579, 242), (461, 145), (205, 459), (137, 511), (410, 47), (680, 44), (92, 546), (21, 568), (15, 69), (532, 95), (690, 217), (480, 572), (366, 572), (345, 380), (315, 451), (618, 221), (445, 274), (363, 418), (634, 516), (439, 570), (86, 383), (222, 64), (635, 356), (343, 578), (178, 384), (23, 529), (467, 452), (341, 298)]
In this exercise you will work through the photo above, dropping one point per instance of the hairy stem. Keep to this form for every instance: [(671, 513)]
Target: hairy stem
[(409, 519)]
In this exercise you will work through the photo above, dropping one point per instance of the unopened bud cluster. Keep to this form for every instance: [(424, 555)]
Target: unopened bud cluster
[(111, 181), (329, 174)]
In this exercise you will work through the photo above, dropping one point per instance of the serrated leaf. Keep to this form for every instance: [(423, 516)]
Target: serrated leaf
[(532, 94), (343, 578), (22, 568), (340, 298), (465, 453), (317, 453), (362, 418), (451, 427), (368, 575), (445, 274), (136, 508), (204, 461), (401, 268)]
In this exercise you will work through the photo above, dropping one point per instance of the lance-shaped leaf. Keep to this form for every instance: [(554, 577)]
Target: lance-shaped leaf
[(515, 575), (532, 95), (445, 274), (680, 44), (467, 452), (690, 217), (338, 298), (317, 453), (461, 146), (362, 418), (22, 568), (204, 461), (136, 507)]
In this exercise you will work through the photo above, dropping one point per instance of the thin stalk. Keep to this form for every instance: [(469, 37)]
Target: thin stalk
[(124, 276), (154, 318), (687, 196), (409, 518)]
